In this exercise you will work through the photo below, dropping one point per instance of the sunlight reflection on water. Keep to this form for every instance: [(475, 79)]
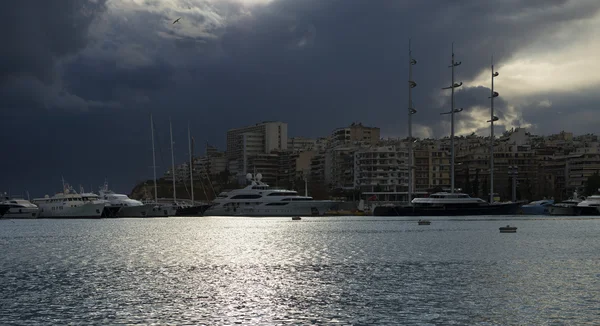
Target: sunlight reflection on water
[(365, 270)]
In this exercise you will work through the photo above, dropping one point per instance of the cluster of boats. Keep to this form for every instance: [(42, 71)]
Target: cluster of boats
[(256, 199), (574, 206), (71, 204), (460, 204)]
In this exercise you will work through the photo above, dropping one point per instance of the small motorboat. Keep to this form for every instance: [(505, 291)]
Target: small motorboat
[(424, 222), (508, 229), (296, 218)]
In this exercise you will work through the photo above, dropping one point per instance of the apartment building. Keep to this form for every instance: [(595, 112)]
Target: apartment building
[(354, 134), (381, 169), (258, 139)]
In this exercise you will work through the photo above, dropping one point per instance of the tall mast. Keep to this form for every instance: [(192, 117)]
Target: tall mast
[(172, 161), (491, 121), (452, 111), (411, 111), (153, 159), (191, 163)]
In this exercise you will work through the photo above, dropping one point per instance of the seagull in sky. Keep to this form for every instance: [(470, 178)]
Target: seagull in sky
[(176, 20)]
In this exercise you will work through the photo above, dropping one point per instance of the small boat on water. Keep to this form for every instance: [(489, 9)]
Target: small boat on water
[(508, 229), (424, 222), (537, 207), (296, 218)]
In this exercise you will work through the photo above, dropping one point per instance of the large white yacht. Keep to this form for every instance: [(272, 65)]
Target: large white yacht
[(70, 204), (589, 206), (259, 200), (19, 208)]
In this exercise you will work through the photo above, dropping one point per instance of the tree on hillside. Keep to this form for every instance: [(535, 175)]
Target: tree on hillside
[(592, 184)]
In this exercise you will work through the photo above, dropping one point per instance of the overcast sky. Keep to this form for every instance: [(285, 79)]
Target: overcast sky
[(78, 78)]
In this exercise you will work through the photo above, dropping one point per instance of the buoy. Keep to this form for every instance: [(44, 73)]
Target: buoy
[(508, 229), (424, 222)]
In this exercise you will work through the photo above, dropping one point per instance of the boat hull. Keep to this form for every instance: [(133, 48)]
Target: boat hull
[(588, 210), (84, 211), (494, 209), (533, 210), (135, 211), (563, 210), (3, 209), (111, 211), (197, 210), (162, 210), (297, 209), (21, 212)]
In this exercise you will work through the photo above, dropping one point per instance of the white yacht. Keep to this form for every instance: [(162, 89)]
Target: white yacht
[(567, 207), (70, 204), (19, 208), (260, 200), (589, 206), (122, 205)]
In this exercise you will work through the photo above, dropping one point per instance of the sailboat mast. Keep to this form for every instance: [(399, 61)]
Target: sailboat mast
[(153, 158), (411, 111), (492, 119), (452, 111), (172, 162), (452, 129), (191, 163)]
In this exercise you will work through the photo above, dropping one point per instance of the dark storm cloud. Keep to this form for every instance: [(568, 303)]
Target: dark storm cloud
[(37, 35), (314, 64)]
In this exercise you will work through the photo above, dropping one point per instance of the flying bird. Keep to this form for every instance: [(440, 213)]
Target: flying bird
[(176, 20)]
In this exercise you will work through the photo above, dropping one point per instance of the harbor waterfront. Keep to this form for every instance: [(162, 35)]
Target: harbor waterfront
[(320, 270)]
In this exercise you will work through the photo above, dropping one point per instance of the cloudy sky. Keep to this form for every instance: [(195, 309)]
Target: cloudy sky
[(78, 78)]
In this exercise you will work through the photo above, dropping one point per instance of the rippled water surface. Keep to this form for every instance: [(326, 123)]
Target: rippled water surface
[(271, 271)]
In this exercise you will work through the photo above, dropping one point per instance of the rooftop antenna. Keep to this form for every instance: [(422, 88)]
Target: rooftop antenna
[(452, 112), (411, 111), (491, 121)]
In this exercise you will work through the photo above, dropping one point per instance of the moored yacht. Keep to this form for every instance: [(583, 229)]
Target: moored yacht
[(258, 199), (567, 207), (447, 204), (589, 206), (69, 204), (18, 208), (125, 206)]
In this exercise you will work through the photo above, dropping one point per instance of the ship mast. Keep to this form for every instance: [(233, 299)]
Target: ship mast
[(411, 111), (491, 121), (172, 162), (153, 159), (191, 164), (452, 112)]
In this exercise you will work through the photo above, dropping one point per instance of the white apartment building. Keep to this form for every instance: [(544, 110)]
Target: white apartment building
[(381, 169), (261, 138)]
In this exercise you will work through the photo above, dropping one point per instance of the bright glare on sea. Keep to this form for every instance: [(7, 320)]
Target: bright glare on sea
[(319, 271)]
